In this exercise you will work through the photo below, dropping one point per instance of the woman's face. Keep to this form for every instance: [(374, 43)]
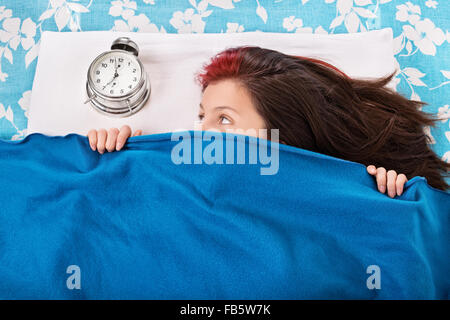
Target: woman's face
[(227, 106)]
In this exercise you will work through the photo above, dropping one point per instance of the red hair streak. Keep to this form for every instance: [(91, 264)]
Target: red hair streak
[(224, 65)]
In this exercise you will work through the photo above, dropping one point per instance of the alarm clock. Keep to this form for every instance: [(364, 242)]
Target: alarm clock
[(117, 84)]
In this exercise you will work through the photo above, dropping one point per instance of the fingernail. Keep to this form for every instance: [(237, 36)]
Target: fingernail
[(382, 189), (119, 146)]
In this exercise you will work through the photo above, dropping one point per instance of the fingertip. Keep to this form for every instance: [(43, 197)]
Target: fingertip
[(125, 127), (371, 169)]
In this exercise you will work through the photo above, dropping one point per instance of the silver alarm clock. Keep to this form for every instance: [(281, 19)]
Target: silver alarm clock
[(117, 84)]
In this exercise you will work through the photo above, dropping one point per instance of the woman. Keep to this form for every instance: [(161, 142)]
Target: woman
[(315, 107)]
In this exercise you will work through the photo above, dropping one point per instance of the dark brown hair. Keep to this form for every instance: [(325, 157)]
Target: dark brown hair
[(317, 107)]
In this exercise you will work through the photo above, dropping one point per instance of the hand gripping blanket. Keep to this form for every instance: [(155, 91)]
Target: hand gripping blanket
[(138, 224)]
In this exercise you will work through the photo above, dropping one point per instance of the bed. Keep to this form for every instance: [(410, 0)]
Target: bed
[(168, 239)]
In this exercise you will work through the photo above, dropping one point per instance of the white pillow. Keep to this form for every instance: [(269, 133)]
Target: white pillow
[(171, 61)]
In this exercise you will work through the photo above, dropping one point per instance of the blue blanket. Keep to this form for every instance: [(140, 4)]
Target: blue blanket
[(75, 224)]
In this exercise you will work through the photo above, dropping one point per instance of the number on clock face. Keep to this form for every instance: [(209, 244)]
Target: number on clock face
[(116, 74)]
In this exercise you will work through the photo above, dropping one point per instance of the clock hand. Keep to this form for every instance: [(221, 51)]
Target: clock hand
[(115, 76), (109, 82)]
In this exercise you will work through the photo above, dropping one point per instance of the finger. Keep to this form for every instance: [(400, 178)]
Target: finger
[(401, 180), (92, 135), (124, 134), (137, 133), (101, 140), (111, 139), (391, 183), (372, 170), (381, 179)]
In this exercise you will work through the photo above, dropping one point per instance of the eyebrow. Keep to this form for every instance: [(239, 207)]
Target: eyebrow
[(221, 107)]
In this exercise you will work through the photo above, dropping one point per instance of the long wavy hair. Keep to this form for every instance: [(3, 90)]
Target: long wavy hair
[(317, 107)]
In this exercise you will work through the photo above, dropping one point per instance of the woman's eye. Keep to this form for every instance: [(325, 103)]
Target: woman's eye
[(200, 117), (224, 120)]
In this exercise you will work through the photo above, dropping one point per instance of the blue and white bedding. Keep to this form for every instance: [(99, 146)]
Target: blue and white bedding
[(137, 224)]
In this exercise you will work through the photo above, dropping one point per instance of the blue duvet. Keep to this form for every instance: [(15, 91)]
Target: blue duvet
[(75, 224)]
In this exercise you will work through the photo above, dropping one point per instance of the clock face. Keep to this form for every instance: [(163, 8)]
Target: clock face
[(115, 73)]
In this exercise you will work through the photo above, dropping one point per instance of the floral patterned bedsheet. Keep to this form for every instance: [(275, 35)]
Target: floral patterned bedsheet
[(420, 30)]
